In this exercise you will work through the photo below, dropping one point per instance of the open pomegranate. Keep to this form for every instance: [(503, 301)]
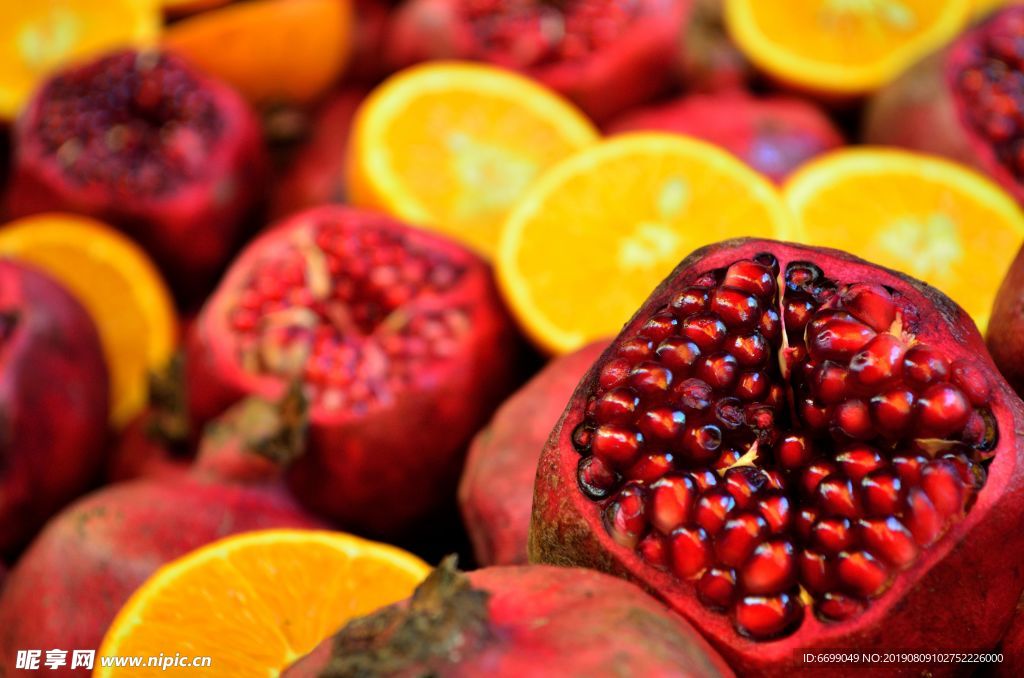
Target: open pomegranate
[(401, 342), (146, 142), (73, 579), (773, 135), (795, 449), (605, 55), (496, 490), (517, 622), (54, 401), (963, 102)]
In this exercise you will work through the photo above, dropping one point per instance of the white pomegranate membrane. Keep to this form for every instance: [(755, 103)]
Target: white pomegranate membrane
[(356, 310), (782, 454)]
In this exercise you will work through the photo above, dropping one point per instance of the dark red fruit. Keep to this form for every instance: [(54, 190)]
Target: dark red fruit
[(1005, 333), (774, 136), (143, 141), (512, 622), (844, 525), (398, 337), (496, 490), (53, 401), (963, 102), (707, 58), (80, 570), (605, 55)]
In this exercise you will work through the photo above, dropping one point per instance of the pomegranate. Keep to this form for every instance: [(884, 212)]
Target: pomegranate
[(146, 142), (496, 490), (76, 575), (517, 621), (795, 448), (399, 338), (316, 175), (1013, 647), (605, 55), (371, 22), (1006, 325), (54, 401), (964, 102), (707, 58), (774, 135)]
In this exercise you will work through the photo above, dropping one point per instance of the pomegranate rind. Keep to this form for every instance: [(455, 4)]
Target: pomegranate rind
[(932, 605)]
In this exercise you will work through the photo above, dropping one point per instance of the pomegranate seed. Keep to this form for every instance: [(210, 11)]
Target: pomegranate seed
[(678, 354), (751, 386), (770, 568), (816, 415), (923, 365), (717, 588), (613, 373), (738, 539), (888, 539), (871, 304), (814, 474), (659, 327), (689, 301), (617, 406), (700, 443), (582, 436), (796, 313), (921, 518), (713, 509), (836, 497), (769, 261), (636, 349), (653, 550), (616, 445), (908, 468), (749, 351), (858, 460), (727, 459), (705, 479), (862, 574), (940, 480), (942, 410), (770, 326), (838, 340), (891, 411), (794, 451), (805, 521), (832, 535), (752, 277), (831, 382), (729, 413), (706, 331), (802, 275), (815, 571), (743, 483), (650, 467), (972, 383), (661, 423), (738, 309), (595, 479), (694, 395), (853, 419), (718, 370), (881, 493), (880, 362), (764, 617), (650, 379), (672, 502), (777, 512), (835, 606), (690, 552), (980, 431), (625, 517)]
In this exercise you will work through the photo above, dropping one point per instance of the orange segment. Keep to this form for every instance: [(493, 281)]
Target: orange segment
[(119, 286), (587, 244), (255, 603), (271, 50), (935, 220), (452, 146), (843, 47), (38, 37)]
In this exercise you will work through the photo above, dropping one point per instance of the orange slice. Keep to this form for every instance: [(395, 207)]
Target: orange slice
[(842, 47), (256, 602), (452, 146), (591, 239), (119, 286), (38, 37), (935, 220), (272, 51)]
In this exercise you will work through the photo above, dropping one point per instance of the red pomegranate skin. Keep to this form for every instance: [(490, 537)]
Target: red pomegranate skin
[(619, 59), (377, 463), (961, 590), (707, 59), (522, 621), (1005, 334), (189, 218), (923, 109), (54, 400), (496, 490), (773, 135), (316, 175), (72, 580), (1012, 648)]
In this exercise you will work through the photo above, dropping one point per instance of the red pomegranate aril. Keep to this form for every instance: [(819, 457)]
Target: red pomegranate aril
[(923, 365), (890, 540), (814, 474), (739, 537), (661, 423), (652, 549), (921, 518), (892, 411), (718, 370), (613, 373), (853, 418), (796, 313), (744, 483), (972, 383), (660, 327), (751, 386), (862, 574), (908, 468), (880, 362), (705, 479), (636, 349), (689, 301), (858, 460), (582, 437), (749, 351), (690, 553), (739, 310), (672, 502), (881, 493), (980, 431), (700, 443), (617, 406), (595, 479), (727, 459), (717, 588), (713, 509), (705, 330), (678, 354), (870, 303), (650, 467), (770, 569), (751, 277), (941, 481), (616, 445), (770, 326), (694, 395), (777, 512), (650, 379), (835, 606), (942, 410), (806, 518), (801, 276), (838, 339), (832, 535), (729, 413), (794, 451), (764, 617), (831, 382), (815, 571), (625, 516), (836, 497), (817, 416)]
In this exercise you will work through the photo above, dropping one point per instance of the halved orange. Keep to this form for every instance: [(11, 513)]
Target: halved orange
[(38, 37), (256, 602), (272, 51), (931, 218), (842, 47), (120, 287), (591, 239), (452, 146)]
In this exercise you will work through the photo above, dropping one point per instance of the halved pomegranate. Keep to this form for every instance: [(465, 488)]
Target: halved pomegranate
[(399, 338), (796, 450)]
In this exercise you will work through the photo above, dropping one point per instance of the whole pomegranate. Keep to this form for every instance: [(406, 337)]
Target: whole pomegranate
[(144, 141), (517, 621), (496, 490), (605, 55), (80, 570), (964, 102), (399, 338), (1005, 332), (54, 401), (707, 58), (773, 135), (795, 448)]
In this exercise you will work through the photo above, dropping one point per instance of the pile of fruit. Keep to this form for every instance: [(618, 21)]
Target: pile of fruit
[(693, 329)]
